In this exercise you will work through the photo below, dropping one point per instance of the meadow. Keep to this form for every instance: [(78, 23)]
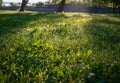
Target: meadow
[(59, 47)]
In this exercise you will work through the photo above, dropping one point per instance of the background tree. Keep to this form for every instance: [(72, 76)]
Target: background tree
[(115, 4), (0, 3), (61, 6), (24, 2), (97, 4), (40, 4), (12, 4)]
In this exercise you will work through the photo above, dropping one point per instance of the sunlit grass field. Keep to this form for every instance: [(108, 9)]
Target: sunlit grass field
[(59, 48)]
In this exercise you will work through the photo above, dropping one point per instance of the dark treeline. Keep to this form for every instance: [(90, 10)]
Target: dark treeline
[(97, 6)]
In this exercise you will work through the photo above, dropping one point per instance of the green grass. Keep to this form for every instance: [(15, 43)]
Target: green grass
[(53, 48)]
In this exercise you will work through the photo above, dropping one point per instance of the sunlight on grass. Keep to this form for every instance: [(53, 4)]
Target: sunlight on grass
[(13, 12), (54, 47)]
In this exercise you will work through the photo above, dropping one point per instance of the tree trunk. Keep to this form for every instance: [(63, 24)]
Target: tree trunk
[(24, 2), (118, 4), (61, 6)]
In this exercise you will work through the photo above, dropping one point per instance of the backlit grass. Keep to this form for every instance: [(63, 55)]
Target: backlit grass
[(53, 48)]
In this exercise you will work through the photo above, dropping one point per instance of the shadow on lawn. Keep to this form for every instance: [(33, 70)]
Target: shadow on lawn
[(104, 39), (12, 23), (105, 31)]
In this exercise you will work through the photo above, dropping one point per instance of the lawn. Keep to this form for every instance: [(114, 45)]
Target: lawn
[(59, 47)]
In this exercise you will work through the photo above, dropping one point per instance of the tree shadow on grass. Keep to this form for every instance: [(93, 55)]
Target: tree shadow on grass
[(105, 30), (104, 38), (12, 23)]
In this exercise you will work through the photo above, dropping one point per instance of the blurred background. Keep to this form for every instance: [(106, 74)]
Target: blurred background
[(92, 6)]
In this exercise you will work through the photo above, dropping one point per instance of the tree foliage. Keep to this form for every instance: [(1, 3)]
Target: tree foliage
[(113, 4), (0, 3)]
